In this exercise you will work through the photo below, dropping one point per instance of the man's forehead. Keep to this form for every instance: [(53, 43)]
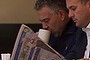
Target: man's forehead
[(71, 3)]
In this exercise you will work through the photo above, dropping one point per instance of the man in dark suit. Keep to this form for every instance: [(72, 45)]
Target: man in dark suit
[(71, 44), (53, 15), (79, 11)]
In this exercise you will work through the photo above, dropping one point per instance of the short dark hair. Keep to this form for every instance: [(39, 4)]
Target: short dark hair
[(52, 4), (84, 1)]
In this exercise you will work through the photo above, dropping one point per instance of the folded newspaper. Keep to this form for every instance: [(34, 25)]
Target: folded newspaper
[(29, 46)]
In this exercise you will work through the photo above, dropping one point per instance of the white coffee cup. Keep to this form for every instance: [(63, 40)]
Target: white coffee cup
[(5, 56), (44, 35)]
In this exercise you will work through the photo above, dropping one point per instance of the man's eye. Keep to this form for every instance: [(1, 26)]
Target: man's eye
[(73, 9), (45, 20)]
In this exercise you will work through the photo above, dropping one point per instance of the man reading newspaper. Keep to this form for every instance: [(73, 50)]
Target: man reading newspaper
[(29, 47)]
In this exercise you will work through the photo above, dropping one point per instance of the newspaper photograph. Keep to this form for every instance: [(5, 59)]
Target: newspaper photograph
[(29, 46)]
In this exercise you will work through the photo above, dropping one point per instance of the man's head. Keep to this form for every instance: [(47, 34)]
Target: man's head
[(52, 14), (79, 11)]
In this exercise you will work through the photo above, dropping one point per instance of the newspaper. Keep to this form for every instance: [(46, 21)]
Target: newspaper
[(29, 46)]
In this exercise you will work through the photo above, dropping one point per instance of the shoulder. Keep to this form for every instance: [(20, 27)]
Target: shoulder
[(80, 34)]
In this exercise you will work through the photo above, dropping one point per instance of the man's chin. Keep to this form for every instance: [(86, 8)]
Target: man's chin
[(78, 25), (56, 35)]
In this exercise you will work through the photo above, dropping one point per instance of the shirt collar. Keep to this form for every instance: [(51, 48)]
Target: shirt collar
[(88, 27)]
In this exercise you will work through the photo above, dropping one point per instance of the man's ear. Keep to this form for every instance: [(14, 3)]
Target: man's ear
[(88, 3), (62, 13)]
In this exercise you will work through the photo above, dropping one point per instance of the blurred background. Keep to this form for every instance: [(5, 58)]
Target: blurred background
[(12, 14), (18, 11)]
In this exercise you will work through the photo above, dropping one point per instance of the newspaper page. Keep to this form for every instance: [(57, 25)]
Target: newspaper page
[(28, 46)]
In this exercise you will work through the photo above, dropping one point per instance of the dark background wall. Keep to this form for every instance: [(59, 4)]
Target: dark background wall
[(8, 34)]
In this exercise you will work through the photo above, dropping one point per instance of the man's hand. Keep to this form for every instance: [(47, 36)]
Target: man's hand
[(37, 33)]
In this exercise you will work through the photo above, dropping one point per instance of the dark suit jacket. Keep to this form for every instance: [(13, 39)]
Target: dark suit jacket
[(71, 44)]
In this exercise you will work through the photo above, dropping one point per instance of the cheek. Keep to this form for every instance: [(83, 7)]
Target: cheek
[(57, 25), (54, 23), (79, 14), (80, 18), (83, 15), (52, 26)]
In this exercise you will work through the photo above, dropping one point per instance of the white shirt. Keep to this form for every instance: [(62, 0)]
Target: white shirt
[(87, 30)]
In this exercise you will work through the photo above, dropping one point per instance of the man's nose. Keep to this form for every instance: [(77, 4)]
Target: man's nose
[(71, 14), (45, 26)]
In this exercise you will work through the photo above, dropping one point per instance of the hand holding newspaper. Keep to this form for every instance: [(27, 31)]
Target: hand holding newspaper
[(29, 46)]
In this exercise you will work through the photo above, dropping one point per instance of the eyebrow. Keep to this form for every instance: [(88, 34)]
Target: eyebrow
[(70, 7), (43, 18)]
